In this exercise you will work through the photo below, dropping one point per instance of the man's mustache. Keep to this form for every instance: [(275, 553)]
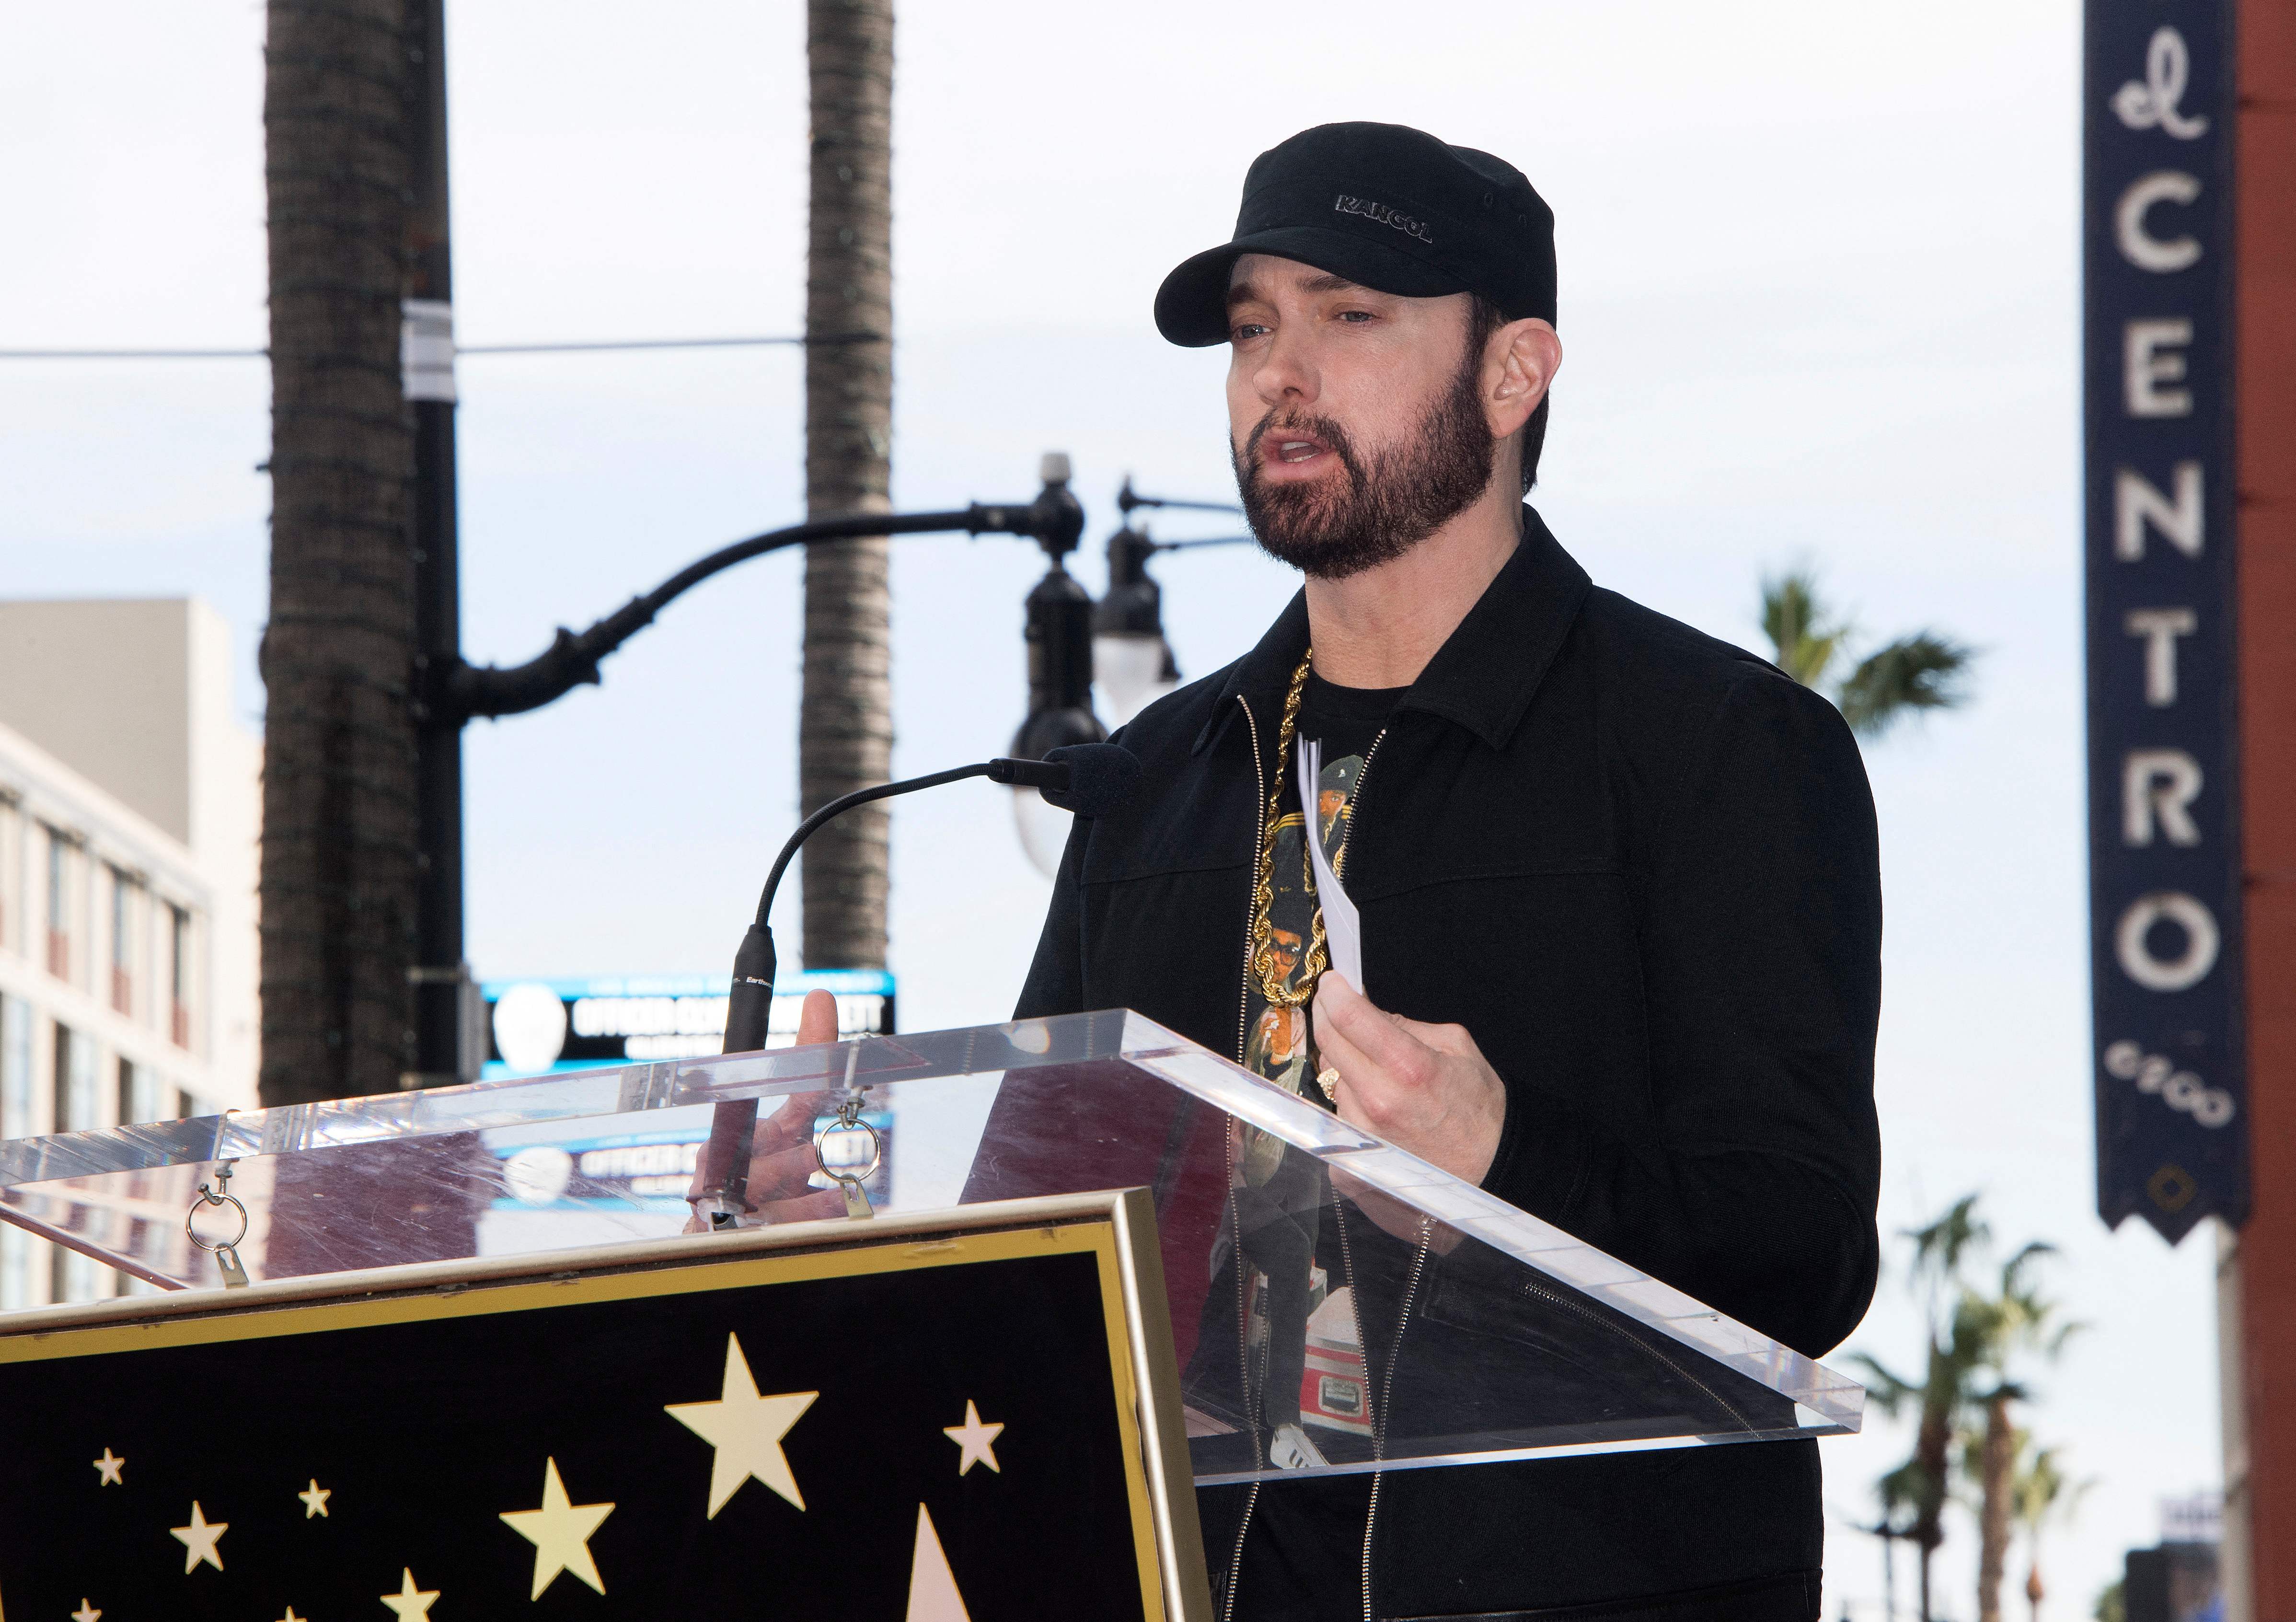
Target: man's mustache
[(1321, 428)]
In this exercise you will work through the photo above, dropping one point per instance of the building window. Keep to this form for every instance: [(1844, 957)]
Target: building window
[(74, 1081), (58, 937), (11, 904), (15, 1269), (139, 1094), (179, 975), (123, 983), (15, 1067), (74, 1277)]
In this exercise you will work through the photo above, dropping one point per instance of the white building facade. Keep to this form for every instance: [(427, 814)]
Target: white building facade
[(130, 806)]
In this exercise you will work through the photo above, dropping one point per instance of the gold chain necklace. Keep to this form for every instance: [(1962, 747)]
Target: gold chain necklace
[(1263, 942)]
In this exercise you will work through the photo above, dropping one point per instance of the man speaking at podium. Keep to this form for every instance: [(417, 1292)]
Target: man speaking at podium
[(1617, 883)]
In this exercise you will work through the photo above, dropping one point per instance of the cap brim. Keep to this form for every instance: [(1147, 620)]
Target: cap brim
[(1192, 305)]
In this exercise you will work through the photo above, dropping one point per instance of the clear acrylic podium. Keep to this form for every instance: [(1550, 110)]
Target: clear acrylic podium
[(1323, 1286)]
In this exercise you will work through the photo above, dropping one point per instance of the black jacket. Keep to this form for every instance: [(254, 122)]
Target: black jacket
[(1640, 866)]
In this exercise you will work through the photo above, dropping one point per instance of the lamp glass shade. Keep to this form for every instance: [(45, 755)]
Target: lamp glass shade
[(1129, 670), (1043, 829)]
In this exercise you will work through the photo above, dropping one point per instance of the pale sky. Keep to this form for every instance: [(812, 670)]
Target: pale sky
[(1819, 302)]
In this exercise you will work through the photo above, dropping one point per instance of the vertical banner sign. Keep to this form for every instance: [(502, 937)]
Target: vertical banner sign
[(2163, 787)]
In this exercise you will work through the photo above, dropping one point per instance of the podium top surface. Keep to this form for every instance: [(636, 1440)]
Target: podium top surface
[(1337, 1303)]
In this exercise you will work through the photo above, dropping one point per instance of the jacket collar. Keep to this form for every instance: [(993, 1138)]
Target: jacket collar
[(1485, 673)]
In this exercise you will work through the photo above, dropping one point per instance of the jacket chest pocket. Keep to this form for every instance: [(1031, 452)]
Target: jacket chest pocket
[(1169, 944), (1544, 968)]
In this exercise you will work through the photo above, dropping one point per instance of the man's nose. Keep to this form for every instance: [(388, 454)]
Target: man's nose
[(1286, 373)]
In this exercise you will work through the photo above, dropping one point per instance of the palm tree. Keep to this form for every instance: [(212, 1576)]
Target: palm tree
[(1999, 1330), (1925, 671), (1897, 1494), (845, 722), (1941, 1396), (2040, 1496), (337, 862)]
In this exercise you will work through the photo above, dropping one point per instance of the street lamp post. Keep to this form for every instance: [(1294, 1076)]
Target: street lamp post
[(438, 984), (1059, 633), (1074, 644), (450, 693)]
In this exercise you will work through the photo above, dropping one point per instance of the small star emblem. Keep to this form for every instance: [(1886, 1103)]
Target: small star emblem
[(315, 1499), (560, 1532), (200, 1539), (745, 1431), (975, 1441), (290, 1616), (107, 1468), (413, 1604), (85, 1613)]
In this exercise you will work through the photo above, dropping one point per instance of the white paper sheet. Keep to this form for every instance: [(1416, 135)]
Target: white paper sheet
[(1343, 928)]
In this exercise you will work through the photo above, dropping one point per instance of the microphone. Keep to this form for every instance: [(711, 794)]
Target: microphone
[(1089, 779)]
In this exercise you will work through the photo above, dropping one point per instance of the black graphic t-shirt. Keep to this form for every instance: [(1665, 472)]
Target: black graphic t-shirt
[(1346, 722), (1301, 1345)]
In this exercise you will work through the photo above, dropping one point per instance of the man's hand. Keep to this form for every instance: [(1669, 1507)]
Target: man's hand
[(781, 1153), (1425, 1088)]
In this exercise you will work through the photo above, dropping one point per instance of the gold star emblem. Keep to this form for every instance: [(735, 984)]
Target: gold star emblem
[(107, 1468), (290, 1616), (976, 1442), (315, 1499), (746, 1431), (85, 1613), (200, 1539), (412, 1604), (560, 1532)]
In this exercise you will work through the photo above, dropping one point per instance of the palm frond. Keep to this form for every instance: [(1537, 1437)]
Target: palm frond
[(1803, 632), (1940, 1246), (1923, 671)]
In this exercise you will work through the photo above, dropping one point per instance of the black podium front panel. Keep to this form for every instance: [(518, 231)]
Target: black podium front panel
[(922, 1425)]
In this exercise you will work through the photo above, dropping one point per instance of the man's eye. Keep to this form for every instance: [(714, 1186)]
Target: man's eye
[(1358, 315), (1244, 332)]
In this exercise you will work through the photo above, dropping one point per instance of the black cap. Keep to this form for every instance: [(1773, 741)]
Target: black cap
[(1390, 208)]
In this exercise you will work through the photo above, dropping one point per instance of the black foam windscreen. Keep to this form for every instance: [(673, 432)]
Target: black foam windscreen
[(1101, 777)]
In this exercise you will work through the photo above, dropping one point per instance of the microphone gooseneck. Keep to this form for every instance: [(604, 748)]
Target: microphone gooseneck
[(1089, 779)]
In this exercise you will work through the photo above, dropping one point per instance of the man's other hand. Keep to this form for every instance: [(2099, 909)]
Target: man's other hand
[(781, 1153), (1425, 1088)]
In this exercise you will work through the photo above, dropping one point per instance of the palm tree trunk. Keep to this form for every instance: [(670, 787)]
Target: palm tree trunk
[(338, 868), (845, 727), (1998, 1462), (1931, 1445)]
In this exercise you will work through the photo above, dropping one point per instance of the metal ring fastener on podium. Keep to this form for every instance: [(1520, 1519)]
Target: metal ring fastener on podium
[(226, 1251), (849, 1181)]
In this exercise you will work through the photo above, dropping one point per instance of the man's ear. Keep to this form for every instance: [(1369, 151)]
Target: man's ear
[(1527, 355)]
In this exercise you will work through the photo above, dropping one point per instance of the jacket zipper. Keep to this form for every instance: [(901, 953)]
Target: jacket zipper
[(1579, 1309), (1418, 1261), (1251, 891), (1340, 868), (1394, 1357), (1242, 1021)]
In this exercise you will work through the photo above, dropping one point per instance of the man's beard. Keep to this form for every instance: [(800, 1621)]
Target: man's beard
[(1385, 503)]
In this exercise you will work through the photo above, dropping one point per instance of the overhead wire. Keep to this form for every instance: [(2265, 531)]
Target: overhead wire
[(590, 347)]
